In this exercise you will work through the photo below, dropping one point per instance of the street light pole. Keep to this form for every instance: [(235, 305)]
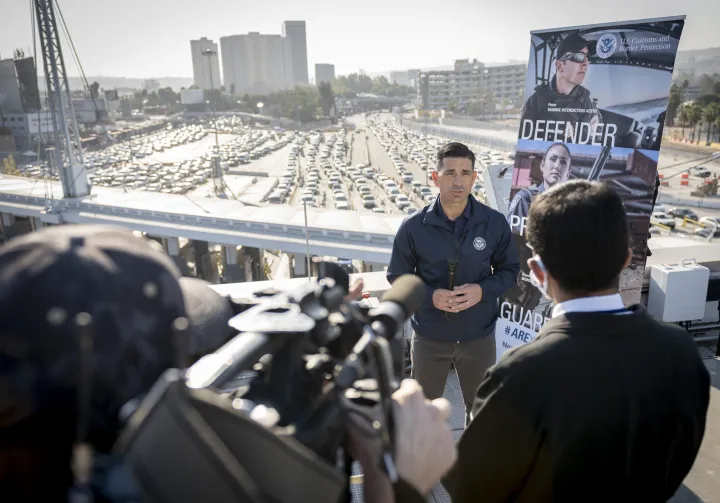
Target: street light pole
[(217, 174), (307, 241)]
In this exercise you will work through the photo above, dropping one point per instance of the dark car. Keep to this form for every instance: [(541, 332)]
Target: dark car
[(683, 213)]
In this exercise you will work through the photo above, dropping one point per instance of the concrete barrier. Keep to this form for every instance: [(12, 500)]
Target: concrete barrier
[(695, 203)]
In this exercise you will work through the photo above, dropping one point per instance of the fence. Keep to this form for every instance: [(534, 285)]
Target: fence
[(464, 137)]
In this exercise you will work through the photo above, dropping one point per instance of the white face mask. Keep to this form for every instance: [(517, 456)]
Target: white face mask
[(543, 287)]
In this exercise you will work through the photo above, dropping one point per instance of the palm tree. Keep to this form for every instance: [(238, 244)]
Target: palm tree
[(683, 117), (711, 113), (674, 103), (694, 118)]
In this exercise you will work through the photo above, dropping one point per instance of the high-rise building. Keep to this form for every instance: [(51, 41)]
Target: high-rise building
[(324, 72), (255, 63), (295, 33), (206, 67)]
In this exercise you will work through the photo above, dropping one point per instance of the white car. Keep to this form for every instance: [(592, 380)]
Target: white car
[(402, 201), (660, 218)]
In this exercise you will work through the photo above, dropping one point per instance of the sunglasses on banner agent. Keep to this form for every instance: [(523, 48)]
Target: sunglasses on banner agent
[(577, 57)]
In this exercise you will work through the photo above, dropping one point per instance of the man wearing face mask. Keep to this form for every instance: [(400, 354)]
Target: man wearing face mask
[(555, 167), (585, 411)]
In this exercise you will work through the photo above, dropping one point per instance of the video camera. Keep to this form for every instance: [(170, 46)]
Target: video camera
[(262, 419)]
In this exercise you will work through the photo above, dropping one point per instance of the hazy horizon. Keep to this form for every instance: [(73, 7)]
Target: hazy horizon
[(142, 39)]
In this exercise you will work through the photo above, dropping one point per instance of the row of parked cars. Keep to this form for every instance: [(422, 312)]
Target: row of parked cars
[(326, 154), (183, 176), (391, 135), (251, 145), (117, 154), (145, 146), (287, 181)]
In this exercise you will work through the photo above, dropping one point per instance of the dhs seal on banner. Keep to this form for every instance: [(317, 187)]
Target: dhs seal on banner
[(479, 244), (606, 45)]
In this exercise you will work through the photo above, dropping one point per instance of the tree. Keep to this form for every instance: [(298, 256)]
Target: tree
[(94, 90), (676, 99), (694, 117), (683, 116), (711, 113), (380, 85), (707, 83), (365, 84), (326, 97)]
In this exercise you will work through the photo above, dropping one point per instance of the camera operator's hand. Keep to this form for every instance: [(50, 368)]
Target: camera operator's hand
[(424, 447), (355, 290)]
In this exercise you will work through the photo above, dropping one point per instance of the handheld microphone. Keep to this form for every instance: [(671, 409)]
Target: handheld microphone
[(452, 266), (399, 303)]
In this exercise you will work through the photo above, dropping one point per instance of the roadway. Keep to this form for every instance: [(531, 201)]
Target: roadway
[(360, 149), (356, 154), (380, 159)]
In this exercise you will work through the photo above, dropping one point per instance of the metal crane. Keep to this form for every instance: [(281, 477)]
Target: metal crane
[(68, 156)]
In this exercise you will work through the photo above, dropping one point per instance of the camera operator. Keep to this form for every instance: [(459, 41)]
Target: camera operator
[(464, 253), (64, 384), (88, 323), (607, 403)]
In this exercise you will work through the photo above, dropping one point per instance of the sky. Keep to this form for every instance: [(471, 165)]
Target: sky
[(151, 38)]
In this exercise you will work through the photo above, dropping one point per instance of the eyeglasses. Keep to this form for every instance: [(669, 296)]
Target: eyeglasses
[(577, 57)]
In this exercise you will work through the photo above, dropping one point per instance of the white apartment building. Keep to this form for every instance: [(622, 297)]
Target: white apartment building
[(471, 81), (255, 63)]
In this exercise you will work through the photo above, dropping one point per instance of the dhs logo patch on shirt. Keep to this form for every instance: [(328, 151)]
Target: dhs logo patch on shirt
[(479, 244)]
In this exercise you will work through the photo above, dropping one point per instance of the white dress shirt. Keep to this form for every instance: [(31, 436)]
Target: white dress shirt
[(600, 303)]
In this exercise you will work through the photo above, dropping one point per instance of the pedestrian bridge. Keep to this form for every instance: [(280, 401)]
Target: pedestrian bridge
[(348, 234)]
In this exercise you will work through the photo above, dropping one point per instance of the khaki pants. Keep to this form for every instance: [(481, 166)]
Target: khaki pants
[(431, 363)]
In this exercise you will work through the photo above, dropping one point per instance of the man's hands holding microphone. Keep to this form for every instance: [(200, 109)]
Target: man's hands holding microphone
[(454, 301)]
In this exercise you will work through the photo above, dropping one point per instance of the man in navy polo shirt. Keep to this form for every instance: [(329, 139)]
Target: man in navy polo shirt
[(455, 232)]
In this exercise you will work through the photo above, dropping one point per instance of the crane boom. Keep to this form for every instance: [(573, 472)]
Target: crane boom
[(68, 148)]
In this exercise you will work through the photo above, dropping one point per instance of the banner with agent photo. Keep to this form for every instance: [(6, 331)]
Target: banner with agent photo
[(595, 102)]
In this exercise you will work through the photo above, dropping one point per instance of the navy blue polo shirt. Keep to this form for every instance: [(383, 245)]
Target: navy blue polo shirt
[(457, 226)]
